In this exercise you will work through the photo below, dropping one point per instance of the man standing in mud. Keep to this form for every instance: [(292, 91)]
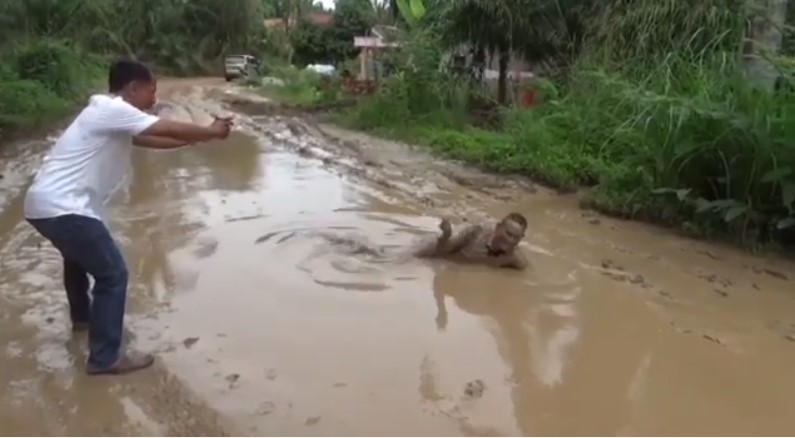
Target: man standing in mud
[(86, 166), (493, 246)]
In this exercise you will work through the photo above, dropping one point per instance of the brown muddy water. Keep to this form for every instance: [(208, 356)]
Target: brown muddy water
[(263, 326)]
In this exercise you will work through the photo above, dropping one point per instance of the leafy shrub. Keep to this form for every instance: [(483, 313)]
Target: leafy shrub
[(64, 70), (25, 103)]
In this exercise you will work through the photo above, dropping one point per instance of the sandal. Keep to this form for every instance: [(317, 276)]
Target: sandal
[(126, 364)]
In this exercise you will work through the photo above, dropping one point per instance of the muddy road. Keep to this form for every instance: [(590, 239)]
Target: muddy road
[(262, 326)]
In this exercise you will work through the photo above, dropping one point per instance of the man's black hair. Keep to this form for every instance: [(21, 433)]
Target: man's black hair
[(124, 71), (516, 217)]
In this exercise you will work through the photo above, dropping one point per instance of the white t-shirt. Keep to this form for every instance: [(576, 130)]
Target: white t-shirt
[(90, 161)]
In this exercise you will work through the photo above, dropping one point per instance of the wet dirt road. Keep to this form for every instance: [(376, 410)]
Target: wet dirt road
[(264, 327)]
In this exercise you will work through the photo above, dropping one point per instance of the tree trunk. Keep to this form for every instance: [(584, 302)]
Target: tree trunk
[(502, 81), (394, 11), (763, 39), (479, 63)]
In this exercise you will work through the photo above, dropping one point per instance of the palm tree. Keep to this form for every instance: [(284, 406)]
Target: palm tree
[(382, 10), (494, 25), (394, 10), (537, 29)]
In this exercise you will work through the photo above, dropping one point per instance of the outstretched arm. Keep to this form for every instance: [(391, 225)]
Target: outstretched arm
[(119, 117), (447, 243), (184, 133), (155, 142)]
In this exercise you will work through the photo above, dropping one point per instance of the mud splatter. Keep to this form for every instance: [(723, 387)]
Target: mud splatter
[(189, 342)]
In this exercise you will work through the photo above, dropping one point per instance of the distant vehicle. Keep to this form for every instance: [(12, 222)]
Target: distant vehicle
[(322, 69), (240, 65)]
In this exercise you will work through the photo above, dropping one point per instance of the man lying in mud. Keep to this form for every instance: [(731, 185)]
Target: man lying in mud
[(494, 245), (65, 203)]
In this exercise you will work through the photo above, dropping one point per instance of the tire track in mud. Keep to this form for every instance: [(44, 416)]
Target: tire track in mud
[(452, 189)]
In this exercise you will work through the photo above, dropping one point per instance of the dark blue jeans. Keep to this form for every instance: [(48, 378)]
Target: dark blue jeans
[(88, 249)]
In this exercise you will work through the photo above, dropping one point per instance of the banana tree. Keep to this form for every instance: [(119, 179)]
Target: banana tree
[(412, 11)]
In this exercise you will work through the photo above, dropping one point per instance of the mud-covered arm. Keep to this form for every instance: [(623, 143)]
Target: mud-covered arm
[(516, 260), (461, 239), (447, 245), (428, 248)]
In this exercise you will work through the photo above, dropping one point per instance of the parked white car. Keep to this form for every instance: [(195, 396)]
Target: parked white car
[(322, 69), (240, 65)]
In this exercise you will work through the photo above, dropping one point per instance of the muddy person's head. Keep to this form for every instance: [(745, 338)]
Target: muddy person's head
[(134, 82), (508, 233)]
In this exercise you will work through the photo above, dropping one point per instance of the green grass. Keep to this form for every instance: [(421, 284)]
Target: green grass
[(653, 118), (698, 139), (686, 143), (301, 88), (52, 52)]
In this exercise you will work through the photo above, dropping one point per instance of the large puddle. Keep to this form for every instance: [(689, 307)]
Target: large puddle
[(265, 325)]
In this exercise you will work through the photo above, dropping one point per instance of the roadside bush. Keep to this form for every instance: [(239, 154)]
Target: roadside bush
[(718, 150), (302, 87), (687, 140), (66, 71), (40, 79), (52, 51), (25, 103), (653, 114), (418, 93)]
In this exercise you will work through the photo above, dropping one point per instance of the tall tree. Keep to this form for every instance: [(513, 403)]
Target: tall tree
[(498, 26), (334, 43)]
